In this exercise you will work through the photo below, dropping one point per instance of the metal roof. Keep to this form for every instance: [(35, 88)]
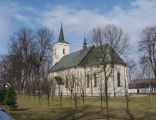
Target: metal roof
[(70, 60), (84, 57)]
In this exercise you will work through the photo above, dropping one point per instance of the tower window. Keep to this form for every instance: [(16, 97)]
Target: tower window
[(63, 51), (87, 80), (95, 80), (118, 79)]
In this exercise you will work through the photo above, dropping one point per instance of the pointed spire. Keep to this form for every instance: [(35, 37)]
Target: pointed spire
[(84, 43), (61, 36)]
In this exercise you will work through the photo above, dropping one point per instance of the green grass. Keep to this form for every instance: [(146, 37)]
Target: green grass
[(140, 109)]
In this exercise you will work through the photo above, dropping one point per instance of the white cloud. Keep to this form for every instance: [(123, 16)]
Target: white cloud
[(10, 15), (10, 11), (78, 22), (4, 21)]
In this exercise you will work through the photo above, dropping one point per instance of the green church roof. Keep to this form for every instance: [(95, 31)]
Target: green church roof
[(70, 60), (85, 57), (95, 55)]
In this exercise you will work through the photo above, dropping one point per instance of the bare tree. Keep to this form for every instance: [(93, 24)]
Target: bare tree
[(147, 47), (110, 42), (6, 70), (22, 45), (70, 84), (73, 85), (132, 68), (43, 42), (76, 92), (147, 50), (83, 86), (32, 51)]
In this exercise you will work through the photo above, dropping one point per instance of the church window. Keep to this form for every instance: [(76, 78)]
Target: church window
[(66, 82), (72, 81), (63, 51), (95, 80), (118, 79), (87, 80)]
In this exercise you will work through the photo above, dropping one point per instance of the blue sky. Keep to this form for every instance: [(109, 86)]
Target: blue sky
[(78, 18)]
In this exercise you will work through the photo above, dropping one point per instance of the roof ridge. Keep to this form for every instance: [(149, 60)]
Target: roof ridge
[(77, 51), (86, 54)]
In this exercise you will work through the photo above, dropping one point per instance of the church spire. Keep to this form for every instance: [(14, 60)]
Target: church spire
[(84, 43), (61, 36)]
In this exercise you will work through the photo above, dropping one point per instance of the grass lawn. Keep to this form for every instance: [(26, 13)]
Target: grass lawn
[(140, 109)]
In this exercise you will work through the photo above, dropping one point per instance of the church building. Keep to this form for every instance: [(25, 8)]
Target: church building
[(80, 72)]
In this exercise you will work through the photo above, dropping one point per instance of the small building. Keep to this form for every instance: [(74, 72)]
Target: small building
[(81, 72), (142, 85)]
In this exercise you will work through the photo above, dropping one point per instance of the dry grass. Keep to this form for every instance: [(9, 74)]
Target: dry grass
[(140, 108)]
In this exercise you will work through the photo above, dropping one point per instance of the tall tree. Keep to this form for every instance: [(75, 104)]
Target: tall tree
[(10, 71), (22, 45), (32, 50), (147, 48), (110, 41), (131, 69), (43, 40)]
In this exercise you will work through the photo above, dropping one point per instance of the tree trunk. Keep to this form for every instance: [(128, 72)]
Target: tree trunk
[(101, 99), (75, 99), (106, 97), (61, 100)]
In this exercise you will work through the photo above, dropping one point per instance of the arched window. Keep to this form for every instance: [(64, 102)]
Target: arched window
[(63, 51), (95, 80), (73, 81), (66, 82), (88, 80), (118, 79)]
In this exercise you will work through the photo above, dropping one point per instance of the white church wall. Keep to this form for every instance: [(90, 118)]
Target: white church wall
[(80, 75), (120, 90)]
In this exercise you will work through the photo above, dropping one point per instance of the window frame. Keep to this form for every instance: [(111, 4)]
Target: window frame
[(95, 80), (118, 79), (88, 80), (66, 82), (64, 51)]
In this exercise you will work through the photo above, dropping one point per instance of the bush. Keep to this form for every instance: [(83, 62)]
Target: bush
[(3, 93), (11, 98)]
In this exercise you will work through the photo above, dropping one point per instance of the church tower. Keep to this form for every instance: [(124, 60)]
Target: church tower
[(60, 48)]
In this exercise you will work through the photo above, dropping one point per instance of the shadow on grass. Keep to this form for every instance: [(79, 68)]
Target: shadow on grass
[(88, 113), (130, 115), (148, 116), (71, 114), (21, 109), (95, 115)]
